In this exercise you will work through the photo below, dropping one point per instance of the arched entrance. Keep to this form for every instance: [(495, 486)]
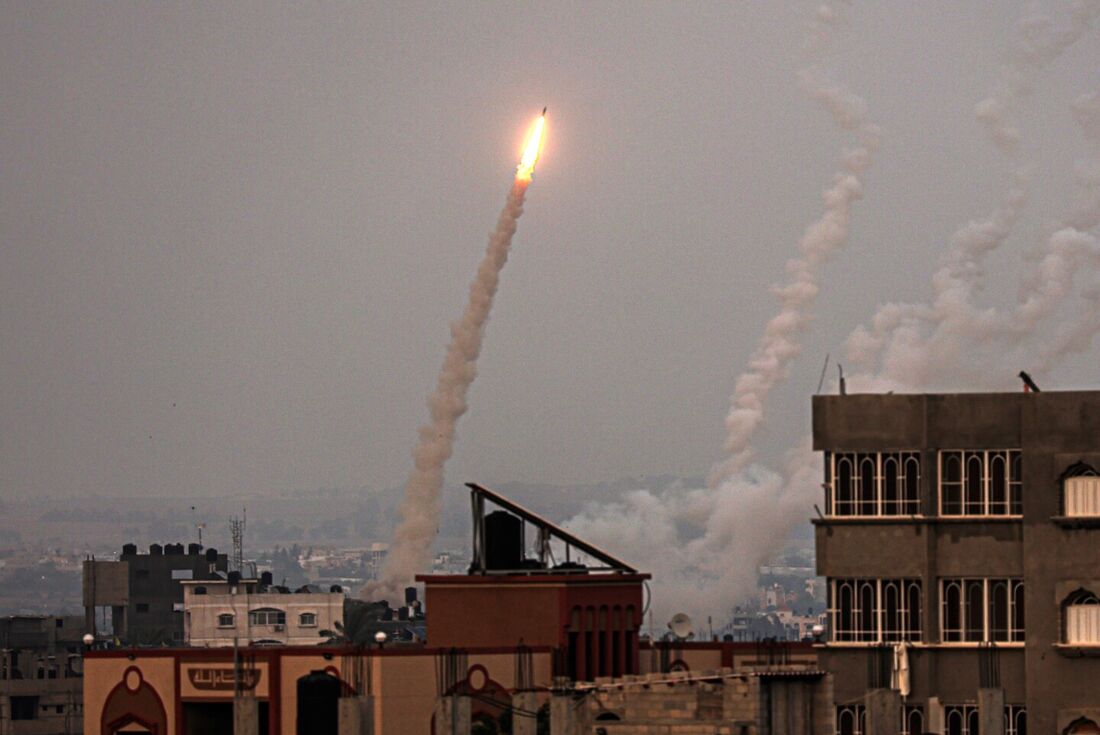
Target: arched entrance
[(318, 704)]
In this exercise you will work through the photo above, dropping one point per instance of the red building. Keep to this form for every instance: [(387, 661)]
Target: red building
[(589, 612)]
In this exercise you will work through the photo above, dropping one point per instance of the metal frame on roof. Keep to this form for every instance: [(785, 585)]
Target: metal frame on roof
[(545, 529)]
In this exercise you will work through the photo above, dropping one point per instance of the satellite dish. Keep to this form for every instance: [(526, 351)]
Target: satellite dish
[(681, 626)]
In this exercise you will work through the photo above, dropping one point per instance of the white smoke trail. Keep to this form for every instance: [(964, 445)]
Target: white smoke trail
[(421, 505), (915, 346), (778, 346)]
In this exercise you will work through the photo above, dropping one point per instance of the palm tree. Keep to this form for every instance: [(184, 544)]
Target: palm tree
[(360, 619)]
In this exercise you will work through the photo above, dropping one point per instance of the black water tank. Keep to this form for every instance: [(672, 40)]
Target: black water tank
[(211, 555), (129, 549), (173, 549), (402, 613), (266, 579), (503, 541), (194, 549), (318, 697), (410, 595), (335, 588), (234, 577), (155, 550)]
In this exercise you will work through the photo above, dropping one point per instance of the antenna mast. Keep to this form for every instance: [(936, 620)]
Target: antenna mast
[(236, 528)]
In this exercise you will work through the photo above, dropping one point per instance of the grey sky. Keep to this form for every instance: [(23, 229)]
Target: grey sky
[(233, 235)]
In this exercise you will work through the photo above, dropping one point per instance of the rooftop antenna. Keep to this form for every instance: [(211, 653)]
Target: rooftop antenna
[(198, 525), (236, 528), (843, 385), (821, 381)]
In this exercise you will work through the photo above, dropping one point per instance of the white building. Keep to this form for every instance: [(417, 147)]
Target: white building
[(215, 612)]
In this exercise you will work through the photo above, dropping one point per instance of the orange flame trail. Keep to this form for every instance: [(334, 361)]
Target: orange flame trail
[(526, 168), (411, 551)]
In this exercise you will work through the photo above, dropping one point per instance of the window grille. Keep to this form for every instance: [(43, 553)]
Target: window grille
[(1083, 618), (873, 483), (875, 610), (267, 616), (1082, 497), (981, 483), (981, 610), (960, 719), (1015, 719), (851, 719)]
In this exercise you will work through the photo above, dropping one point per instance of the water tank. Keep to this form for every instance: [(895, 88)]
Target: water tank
[(410, 595), (503, 541), (234, 577), (266, 579), (129, 549), (173, 549), (335, 588), (194, 549), (155, 549), (402, 613), (211, 555)]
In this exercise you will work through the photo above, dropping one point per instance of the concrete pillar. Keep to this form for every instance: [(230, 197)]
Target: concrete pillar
[(246, 715), (568, 715), (934, 716), (356, 715), (991, 711), (883, 708), (452, 715), (521, 723)]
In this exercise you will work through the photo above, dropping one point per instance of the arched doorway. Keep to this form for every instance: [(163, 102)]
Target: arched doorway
[(318, 704)]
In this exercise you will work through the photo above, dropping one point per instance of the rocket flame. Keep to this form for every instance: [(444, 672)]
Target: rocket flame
[(531, 150)]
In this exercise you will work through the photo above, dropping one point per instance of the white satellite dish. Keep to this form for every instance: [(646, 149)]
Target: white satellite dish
[(681, 626)]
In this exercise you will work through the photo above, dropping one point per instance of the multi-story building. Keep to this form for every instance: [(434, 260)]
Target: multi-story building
[(968, 528), (41, 675), (222, 612), (141, 595)]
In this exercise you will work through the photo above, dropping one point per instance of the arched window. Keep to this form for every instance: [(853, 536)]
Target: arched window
[(225, 620), (1081, 491), (868, 505), (951, 476), (1082, 726), (844, 492), (1082, 618), (973, 501), (849, 719), (267, 616)]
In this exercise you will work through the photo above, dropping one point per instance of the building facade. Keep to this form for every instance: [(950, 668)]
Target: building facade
[(966, 527), (250, 612), (138, 599), (41, 675)]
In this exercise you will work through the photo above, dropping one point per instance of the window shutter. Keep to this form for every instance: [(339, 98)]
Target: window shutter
[(1082, 496)]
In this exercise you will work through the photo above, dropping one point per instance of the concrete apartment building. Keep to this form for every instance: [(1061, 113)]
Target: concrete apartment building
[(41, 670), (141, 595), (254, 612), (967, 527)]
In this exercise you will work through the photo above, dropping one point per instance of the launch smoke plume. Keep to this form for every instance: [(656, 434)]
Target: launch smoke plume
[(411, 548), (704, 544), (769, 363)]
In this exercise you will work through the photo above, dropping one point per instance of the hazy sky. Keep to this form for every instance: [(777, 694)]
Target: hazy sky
[(233, 235)]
